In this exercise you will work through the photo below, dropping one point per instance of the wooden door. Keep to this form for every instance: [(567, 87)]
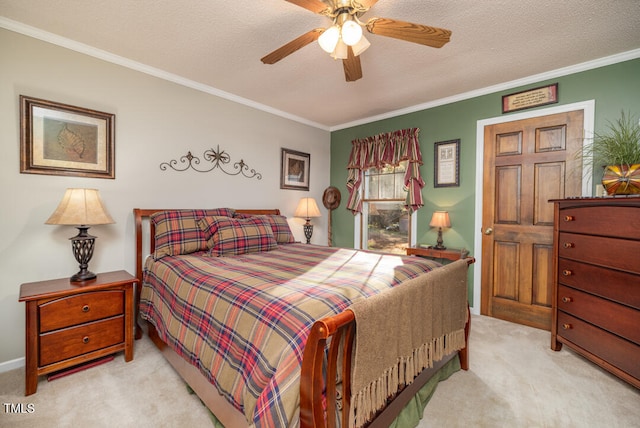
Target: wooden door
[(527, 163)]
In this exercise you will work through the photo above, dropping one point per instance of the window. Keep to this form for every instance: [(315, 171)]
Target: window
[(385, 220)]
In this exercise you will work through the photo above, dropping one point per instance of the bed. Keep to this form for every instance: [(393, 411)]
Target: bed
[(272, 332)]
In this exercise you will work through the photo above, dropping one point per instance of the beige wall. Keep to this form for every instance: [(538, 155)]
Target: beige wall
[(156, 121)]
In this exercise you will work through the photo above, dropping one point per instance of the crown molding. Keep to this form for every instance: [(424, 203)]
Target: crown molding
[(152, 71), (589, 65), (64, 42)]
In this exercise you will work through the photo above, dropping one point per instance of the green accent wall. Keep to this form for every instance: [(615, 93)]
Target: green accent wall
[(614, 88)]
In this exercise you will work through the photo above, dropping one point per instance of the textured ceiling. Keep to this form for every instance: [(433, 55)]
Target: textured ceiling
[(218, 45)]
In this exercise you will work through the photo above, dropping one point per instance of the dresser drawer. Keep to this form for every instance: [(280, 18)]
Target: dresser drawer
[(620, 221), (612, 349), (608, 252), (621, 287), (71, 342), (618, 319), (80, 308)]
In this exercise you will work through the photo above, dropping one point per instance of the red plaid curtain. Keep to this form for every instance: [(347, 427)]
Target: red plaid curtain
[(386, 149)]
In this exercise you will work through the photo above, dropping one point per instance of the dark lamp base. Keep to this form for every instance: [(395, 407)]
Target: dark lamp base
[(82, 245), (308, 230), (83, 276), (439, 242)]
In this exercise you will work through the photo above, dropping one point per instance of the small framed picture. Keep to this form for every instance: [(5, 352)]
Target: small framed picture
[(447, 164), (294, 170), (60, 139)]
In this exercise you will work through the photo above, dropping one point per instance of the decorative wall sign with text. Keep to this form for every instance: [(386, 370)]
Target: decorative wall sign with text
[(532, 98)]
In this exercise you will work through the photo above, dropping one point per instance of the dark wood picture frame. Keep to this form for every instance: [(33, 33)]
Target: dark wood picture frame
[(61, 139), (294, 170), (446, 172)]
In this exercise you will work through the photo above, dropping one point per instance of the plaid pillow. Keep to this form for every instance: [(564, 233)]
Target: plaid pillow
[(233, 236), (177, 231), (279, 226)]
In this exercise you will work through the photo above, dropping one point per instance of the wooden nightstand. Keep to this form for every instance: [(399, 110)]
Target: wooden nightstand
[(449, 253), (70, 323)]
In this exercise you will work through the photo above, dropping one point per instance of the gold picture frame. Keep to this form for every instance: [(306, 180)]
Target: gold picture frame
[(61, 139)]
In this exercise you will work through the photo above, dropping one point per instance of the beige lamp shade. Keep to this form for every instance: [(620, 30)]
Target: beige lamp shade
[(440, 219), (307, 208), (80, 207)]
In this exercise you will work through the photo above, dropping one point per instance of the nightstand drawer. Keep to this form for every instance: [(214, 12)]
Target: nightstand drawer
[(71, 342), (80, 309)]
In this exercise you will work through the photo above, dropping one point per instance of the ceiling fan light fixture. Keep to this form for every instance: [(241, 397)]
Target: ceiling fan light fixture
[(341, 51), (362, 45), (329, 39), (343, 38), (351, 32)]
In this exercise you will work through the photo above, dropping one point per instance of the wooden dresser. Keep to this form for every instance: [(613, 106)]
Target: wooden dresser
[(596, 296)]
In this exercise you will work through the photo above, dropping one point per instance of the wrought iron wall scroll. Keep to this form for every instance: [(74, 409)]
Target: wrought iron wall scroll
[(218, 159)]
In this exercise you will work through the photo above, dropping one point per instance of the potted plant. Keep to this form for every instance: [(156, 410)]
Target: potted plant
[(618, 151)]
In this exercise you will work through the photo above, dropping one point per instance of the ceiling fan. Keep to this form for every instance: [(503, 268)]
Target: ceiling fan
[(344, 39)]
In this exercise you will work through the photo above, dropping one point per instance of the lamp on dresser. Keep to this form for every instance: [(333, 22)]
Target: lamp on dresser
[(307, 208), (81, 208), (440, 219)]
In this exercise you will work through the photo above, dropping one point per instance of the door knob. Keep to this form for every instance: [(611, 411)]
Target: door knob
[(488, 231)]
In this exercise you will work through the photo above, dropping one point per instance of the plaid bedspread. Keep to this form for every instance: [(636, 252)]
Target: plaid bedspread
[(244, 320)]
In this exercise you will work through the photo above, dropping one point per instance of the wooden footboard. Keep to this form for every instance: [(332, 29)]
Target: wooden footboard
[(340, 328), (316, 388)]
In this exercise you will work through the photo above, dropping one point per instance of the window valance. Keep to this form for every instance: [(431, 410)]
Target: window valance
[(386, 149)]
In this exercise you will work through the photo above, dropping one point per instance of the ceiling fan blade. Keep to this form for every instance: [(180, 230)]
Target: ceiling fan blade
[(315, 6), (416, 33), (292, 46), (352, 67)]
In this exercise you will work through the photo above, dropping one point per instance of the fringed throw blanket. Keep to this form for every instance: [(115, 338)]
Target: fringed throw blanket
[(404, 330)]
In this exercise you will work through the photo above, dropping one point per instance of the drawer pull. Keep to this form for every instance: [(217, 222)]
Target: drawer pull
[(567, 326), (85, 308), (85, 339), (567, 299), (567, 272), (569, 245), (569, 218)]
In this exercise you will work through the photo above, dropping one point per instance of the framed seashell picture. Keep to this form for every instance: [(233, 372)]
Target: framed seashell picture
[(61, 139)]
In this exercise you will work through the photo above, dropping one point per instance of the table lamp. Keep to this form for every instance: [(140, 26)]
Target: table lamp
[(81, 208), (307, 208), (440, 219)]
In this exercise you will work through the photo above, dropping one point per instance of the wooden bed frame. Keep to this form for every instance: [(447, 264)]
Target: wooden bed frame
[(340, 328)]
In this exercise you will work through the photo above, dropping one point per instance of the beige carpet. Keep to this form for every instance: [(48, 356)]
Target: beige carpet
[(515, 381)]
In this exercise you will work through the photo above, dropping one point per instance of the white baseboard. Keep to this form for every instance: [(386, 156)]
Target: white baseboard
[(12, 364)]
